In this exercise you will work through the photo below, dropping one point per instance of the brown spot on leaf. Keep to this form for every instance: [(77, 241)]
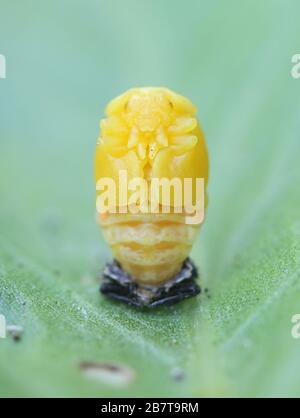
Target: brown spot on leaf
[(112, 374)]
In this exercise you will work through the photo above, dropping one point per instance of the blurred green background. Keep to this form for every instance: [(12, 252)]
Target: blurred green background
[(65, 61)]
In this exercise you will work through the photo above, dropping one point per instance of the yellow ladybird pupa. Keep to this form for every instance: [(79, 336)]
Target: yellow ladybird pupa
[(150, 133)]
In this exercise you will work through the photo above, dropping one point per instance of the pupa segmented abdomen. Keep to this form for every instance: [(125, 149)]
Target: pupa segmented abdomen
[(150, 247)]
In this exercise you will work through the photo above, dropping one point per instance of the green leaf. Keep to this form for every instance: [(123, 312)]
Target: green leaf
[(234, 61)]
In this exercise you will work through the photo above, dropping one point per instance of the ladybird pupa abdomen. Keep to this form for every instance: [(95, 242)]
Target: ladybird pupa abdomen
[(150, 248)]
